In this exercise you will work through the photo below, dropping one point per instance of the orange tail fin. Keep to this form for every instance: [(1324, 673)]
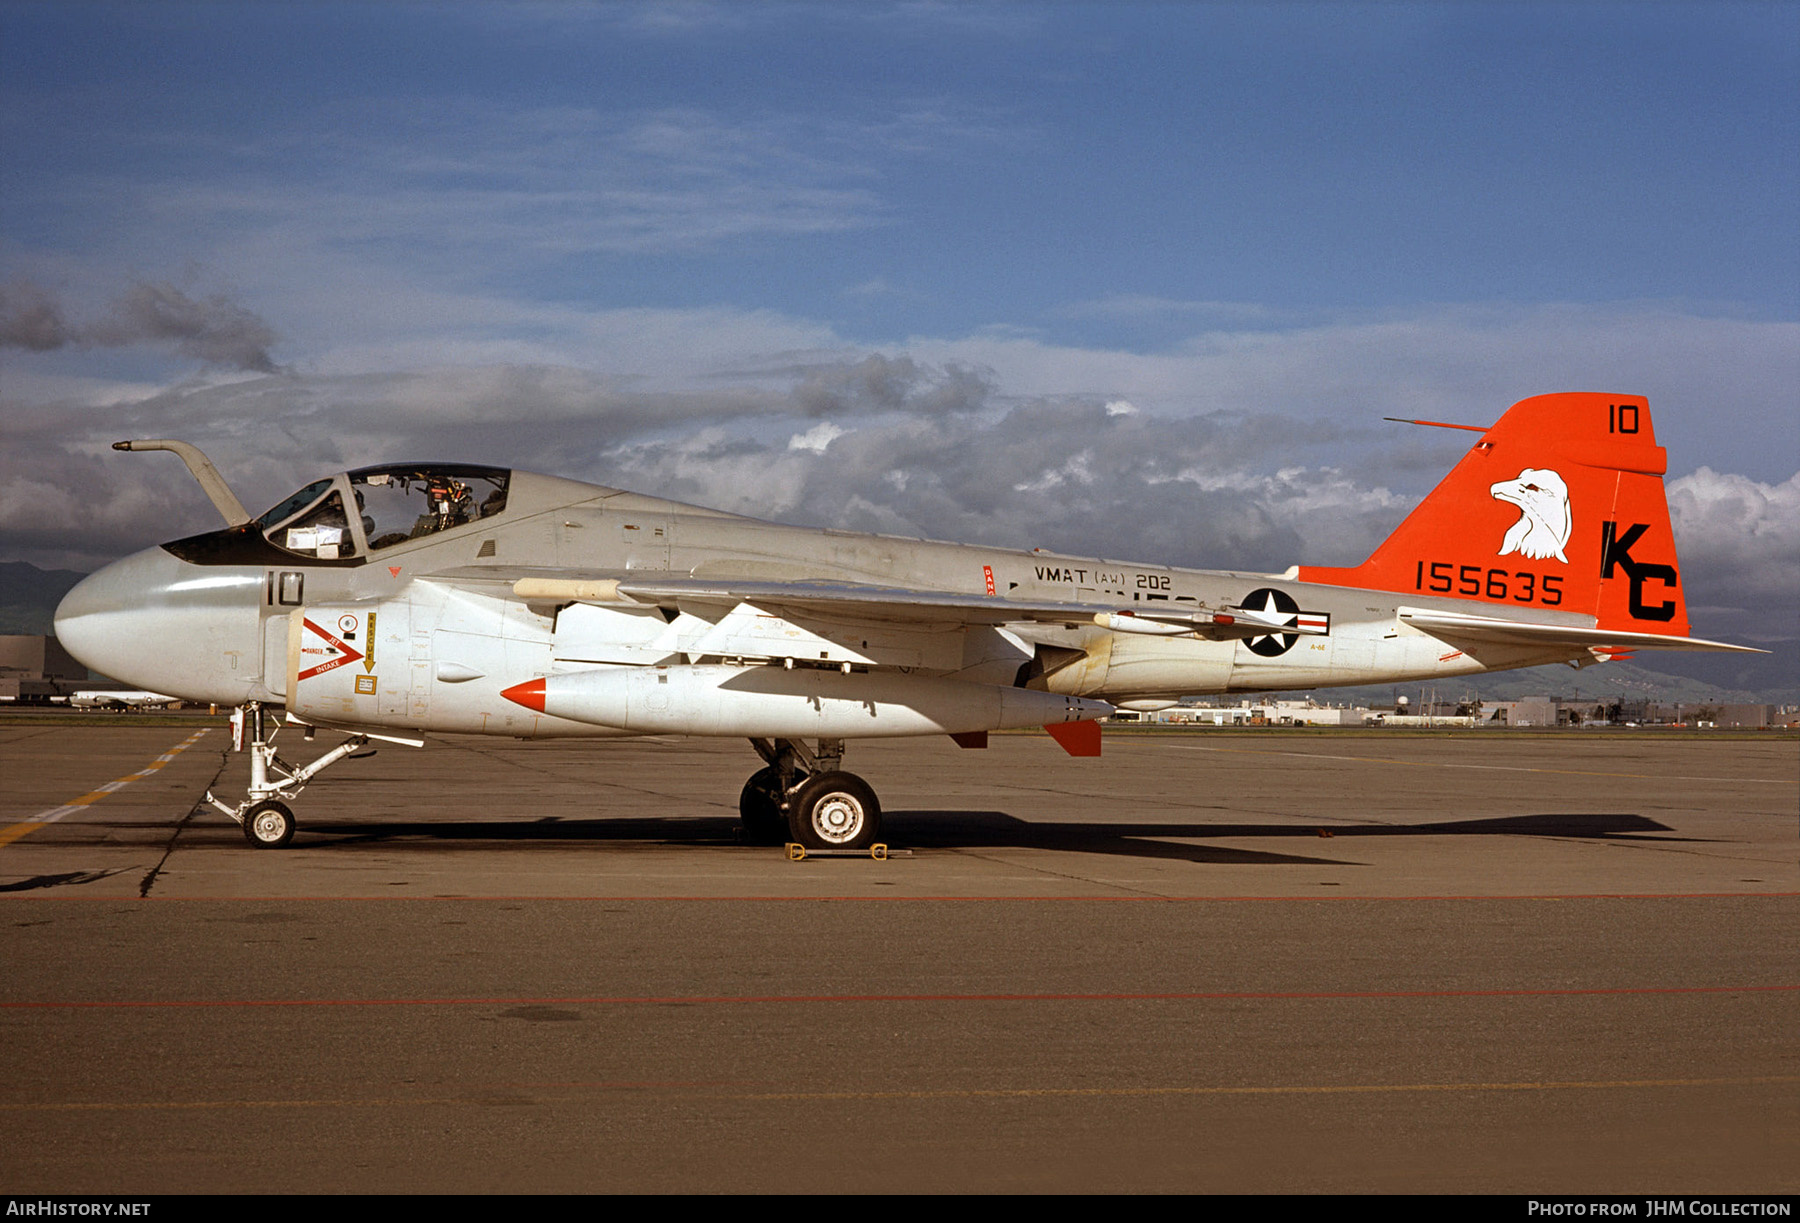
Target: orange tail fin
[(1559, 505)]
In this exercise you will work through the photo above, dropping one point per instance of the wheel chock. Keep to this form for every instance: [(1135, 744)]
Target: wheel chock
[(879, 851)]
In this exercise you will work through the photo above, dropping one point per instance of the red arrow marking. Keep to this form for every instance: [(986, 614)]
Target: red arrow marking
[(345, 653)]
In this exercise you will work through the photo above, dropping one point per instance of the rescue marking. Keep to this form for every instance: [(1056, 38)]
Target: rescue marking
[(13, 832), (987, 572)]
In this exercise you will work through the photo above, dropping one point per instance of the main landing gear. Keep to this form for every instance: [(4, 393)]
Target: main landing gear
[(267, 820), (803, 796)]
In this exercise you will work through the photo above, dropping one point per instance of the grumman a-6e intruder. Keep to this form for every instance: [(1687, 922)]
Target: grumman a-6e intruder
[(394, 600)]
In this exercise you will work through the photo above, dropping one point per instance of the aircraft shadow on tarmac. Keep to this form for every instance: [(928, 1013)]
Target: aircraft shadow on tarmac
[(65, 879), (932, 829)]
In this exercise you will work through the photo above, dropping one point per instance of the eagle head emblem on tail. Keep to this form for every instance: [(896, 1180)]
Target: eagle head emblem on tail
[(1544, 522)]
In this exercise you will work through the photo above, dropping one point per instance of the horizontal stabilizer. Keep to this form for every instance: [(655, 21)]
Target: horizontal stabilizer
[(1458, 626)]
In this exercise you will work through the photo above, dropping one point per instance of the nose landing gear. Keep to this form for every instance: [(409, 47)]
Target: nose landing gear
[(267, 820)]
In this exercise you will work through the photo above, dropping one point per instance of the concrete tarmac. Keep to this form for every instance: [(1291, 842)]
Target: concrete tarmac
[(1489, 961)]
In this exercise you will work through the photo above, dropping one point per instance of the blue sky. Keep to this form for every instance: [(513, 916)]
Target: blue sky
[(1165, 266)]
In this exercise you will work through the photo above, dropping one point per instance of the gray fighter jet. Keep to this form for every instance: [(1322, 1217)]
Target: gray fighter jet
[(404, 598)]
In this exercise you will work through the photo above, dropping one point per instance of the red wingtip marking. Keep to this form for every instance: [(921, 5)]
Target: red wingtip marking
[(1077, 738), (529, 694)]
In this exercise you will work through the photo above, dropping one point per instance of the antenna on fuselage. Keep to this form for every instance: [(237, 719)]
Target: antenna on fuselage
[(1438, 424), (210, 480)]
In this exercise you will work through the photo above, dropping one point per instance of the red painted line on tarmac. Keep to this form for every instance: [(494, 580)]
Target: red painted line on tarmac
[(717, 999), (796, 897)]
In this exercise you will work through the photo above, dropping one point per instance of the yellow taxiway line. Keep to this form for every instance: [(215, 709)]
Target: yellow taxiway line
[(31, 824)]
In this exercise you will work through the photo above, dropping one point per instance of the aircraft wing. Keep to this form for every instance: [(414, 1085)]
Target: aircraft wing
[(852, 598), (1459, 627), (901, 605)]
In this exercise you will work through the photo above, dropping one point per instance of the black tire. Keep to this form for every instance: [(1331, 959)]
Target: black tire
[(834, 811), (759, 806), (269, 825)]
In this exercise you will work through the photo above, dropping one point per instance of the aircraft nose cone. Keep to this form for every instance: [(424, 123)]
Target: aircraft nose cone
[(156, 622)]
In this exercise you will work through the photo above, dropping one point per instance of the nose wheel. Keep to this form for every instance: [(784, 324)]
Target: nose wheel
[(269, 825)]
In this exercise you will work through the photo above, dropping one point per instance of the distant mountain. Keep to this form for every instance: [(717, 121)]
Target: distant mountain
[(1774, 677), (29, 595)]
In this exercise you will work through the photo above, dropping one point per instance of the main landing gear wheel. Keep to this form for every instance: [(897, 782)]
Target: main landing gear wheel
[(834, 811), (759, 806), (269, 825)]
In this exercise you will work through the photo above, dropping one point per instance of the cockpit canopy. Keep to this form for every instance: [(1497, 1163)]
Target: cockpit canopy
[(393, 505)]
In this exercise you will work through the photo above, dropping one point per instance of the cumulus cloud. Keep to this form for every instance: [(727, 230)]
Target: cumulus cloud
[(881, 441), (816, 439), (933, 451), (1739, 542), (214, 329), (1720, 387), (30, 318), (71, 508), (879, 383), (1064, 475)]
